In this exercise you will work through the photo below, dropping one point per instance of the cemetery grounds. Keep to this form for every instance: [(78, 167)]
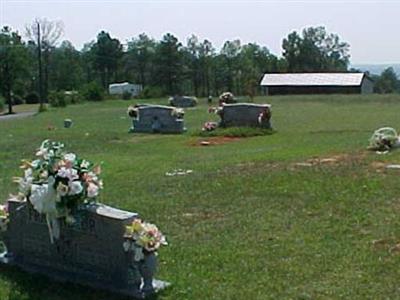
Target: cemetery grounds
[(304, 213)]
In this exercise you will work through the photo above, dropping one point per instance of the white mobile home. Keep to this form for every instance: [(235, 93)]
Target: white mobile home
[(120, 88)]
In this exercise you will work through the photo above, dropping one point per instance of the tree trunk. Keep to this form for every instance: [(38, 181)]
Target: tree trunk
[(46, 75), (41, 107), (8, 87)]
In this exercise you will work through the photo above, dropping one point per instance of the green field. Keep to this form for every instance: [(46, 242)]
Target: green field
[(249, 222)]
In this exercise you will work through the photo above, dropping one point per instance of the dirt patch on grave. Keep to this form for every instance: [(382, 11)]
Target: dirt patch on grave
[(135, 139), (191, 218), (337, 159), (214, 141)]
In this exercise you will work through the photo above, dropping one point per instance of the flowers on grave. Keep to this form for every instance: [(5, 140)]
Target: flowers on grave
[(133, 111), (142, 237), (383, 139), (226, 97), (57, 183), (178, 113), (209, 126), (264, 116), (3, 217)]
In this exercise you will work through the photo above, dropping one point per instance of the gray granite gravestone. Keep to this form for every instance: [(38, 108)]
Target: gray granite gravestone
[(245, 114), (89, 252), (183, 101), (157, 119)]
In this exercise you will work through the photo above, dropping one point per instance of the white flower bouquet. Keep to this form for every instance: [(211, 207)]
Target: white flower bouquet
[(56, 183), (384, 139), (178, 113)]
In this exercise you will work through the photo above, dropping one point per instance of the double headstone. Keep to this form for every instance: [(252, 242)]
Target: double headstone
[(183, 101), (245, 114), (158, 119), (89, 251)]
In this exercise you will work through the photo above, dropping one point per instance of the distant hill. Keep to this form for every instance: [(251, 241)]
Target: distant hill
[(377, 69)]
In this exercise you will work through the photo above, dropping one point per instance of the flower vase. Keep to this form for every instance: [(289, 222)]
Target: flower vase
[(147, 269)]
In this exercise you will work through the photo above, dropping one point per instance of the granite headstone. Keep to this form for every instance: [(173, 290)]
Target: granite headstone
[(183, 101), (245, 114), (89, 251), (158, 119)]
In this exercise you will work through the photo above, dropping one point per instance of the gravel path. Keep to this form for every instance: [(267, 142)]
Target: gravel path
[(17, 116)]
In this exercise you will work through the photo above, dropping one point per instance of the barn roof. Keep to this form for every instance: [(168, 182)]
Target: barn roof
[(312, 79)]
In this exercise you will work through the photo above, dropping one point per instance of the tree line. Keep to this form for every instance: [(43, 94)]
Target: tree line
[(37, 62)]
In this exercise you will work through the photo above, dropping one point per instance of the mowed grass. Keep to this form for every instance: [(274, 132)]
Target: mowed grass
[(249, 222)]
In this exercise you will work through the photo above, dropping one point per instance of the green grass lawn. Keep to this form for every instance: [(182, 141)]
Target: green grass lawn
[(248, 223)]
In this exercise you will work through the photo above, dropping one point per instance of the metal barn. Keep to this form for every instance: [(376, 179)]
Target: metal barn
[(316, 83)]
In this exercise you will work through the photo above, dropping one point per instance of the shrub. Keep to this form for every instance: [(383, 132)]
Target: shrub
[(17, 100), (152, 92), (73, 97), (32, 98), (92, 92), (126, 95), (58, 99)]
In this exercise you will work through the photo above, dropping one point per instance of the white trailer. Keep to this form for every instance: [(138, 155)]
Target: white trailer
[(120, 88)]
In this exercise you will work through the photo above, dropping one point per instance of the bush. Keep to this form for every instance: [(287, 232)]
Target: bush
[(17, 100), (32, 98), (92, 92), (126, 95), (73, 97), (58, 99), (152, 92)]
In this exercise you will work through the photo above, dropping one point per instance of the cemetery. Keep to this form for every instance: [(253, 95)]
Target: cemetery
[(307, 212), (199, 150)]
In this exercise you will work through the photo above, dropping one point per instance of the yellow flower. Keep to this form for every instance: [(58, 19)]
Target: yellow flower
[(26, 164), (62, 189), (137, 225)]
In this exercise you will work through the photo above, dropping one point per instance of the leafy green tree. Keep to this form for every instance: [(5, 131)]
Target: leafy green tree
[(169, 59), (315, 51), (387, 82), (206, 53), (230, 51), (107, 53), (88, 62), (139, 59), (13, 63), (193, 50), (254, 62), (66, 68)]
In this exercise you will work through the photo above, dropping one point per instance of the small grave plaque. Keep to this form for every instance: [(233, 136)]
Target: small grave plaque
[(157, 119)]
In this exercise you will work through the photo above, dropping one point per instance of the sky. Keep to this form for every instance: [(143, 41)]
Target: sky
[(370, 27)]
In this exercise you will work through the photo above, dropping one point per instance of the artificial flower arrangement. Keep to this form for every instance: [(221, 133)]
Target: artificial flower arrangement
[(264, 116), (226, 97), (209, 126), (133, 111), (178, 113), (384, 139), (3, 217), (58, 183), (141, 238)]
